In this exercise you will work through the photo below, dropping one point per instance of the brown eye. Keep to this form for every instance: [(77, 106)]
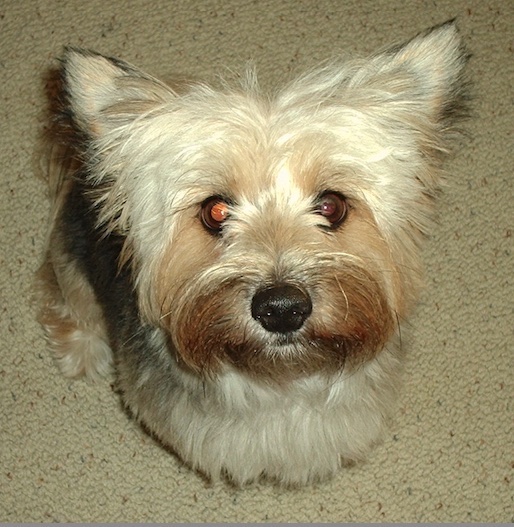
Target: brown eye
[(214, 213), (333, 207)]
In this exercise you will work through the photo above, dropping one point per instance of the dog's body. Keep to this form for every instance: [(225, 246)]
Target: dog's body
[(248, 259)]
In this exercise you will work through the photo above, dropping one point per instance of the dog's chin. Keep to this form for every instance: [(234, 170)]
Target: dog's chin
[(285, 358), (291, 357)]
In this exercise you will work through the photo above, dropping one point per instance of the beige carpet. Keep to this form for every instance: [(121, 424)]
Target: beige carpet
[(69, 453)]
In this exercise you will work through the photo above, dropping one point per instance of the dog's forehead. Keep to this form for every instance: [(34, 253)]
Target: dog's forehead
[(283, 181), (277, 182), (283, 187)]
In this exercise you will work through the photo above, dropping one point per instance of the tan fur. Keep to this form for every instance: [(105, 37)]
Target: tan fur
[(73, 323)]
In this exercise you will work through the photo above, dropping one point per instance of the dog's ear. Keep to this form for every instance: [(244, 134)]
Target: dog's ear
[(426, 72), (421, 79), (105, 93)]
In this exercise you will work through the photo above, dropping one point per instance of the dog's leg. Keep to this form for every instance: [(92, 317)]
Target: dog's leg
[(70, 314), (71, 317)]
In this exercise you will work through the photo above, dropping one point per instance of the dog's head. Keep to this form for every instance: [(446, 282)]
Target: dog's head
[(277, 234)]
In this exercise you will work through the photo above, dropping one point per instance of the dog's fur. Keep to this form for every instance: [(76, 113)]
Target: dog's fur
[(256, 334)]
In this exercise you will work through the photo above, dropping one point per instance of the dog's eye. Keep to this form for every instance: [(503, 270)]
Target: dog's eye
[(214, 213), (333, 207)]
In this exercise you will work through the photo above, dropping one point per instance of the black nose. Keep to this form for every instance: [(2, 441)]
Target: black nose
[(281, 308)]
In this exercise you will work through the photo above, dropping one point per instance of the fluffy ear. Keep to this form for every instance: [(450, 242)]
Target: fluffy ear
[(418, 83), (427, 71), (104, 93)]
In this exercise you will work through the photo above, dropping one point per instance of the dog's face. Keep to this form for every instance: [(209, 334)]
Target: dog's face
[(276, 264), (278, 235)]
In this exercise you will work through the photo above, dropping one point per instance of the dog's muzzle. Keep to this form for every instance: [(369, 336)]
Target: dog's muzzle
[(281, 308)]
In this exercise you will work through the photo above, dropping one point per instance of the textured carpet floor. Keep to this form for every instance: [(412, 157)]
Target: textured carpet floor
[(69, 453)]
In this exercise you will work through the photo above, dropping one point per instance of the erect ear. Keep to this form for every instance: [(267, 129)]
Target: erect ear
[(419, 84), (104, 93), (426, 73)]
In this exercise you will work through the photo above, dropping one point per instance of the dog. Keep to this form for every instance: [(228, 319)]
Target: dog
[(244, 261)]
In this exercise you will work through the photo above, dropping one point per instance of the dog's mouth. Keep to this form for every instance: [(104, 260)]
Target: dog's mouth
[(284, 341), (300, 354)]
